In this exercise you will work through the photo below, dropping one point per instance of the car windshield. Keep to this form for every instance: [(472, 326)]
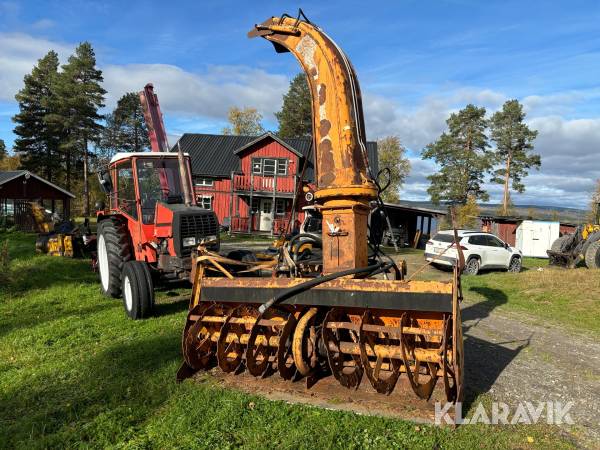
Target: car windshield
[(158, 179), (313, 224), (443, 237)]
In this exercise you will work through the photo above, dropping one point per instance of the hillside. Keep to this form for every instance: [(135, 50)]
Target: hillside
[(563, 214)]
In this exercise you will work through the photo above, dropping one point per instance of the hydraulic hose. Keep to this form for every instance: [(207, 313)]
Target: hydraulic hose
[(295, 290)]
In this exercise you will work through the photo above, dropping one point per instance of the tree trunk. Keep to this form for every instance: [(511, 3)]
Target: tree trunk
[(68, 157), (506, 185), (86, 191)]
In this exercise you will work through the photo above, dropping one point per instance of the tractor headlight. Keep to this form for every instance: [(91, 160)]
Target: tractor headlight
[(189, 241), (208, 239)]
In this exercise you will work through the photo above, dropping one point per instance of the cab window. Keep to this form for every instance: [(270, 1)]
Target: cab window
[(126, 189)]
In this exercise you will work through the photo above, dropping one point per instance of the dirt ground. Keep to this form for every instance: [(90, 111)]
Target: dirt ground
[(508, 357)]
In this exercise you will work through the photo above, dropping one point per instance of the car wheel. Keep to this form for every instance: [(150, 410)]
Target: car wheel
[(515, 265), (472, 267)]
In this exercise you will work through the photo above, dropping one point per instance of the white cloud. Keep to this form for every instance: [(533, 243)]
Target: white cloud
[(19, 52), (209, 94), (568, 147)]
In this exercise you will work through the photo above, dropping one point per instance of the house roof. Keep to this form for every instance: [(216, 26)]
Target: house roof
[(217, 155), (124, 155), (413, 208), (5, 177)]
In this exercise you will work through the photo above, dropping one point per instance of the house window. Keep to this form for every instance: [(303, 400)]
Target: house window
[(205, 202), (204, 182), (280, 205), (270, 166), (282, 166), (255, 205)]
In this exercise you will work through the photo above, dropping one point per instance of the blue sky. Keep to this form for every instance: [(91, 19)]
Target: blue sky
[(417, 62)]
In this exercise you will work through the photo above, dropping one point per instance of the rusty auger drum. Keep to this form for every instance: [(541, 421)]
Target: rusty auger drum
[(352, 328), (353, 314)]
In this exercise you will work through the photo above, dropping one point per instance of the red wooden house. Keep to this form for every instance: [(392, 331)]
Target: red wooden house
[(250, 181)]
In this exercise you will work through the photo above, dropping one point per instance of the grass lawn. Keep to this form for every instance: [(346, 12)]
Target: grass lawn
[(74, 372), (560, 297)]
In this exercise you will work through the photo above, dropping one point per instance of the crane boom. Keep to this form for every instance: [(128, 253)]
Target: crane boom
[(154, 119)]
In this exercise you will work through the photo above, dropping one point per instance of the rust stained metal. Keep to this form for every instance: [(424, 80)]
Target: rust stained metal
[(378, 328)]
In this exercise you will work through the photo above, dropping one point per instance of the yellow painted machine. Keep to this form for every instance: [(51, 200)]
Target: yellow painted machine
[(582, 245), (358, 316)]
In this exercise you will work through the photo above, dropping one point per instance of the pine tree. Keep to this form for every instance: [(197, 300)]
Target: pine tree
[(244, 122), (125, 128), (463, 156), (514, 142), (392, 155), (3, 152), (295, 117), (37, 138), (79, 97)]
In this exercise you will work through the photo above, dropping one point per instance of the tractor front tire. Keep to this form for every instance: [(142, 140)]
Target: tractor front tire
[(138, 290), (114, 250), (592, 255)]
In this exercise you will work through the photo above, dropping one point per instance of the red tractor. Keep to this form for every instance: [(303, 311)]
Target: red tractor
[(152, 227)]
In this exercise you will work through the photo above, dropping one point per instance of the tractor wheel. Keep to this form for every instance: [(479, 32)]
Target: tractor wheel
[(138, 290), (114, 250), (559, 244), (592, 255)]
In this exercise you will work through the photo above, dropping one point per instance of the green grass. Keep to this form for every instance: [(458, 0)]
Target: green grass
[(559, 296), (75, 373)]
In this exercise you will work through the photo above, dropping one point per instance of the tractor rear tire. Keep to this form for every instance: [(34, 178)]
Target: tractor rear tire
[(114, 250), (592, 255), (559, 244), (138, 290)]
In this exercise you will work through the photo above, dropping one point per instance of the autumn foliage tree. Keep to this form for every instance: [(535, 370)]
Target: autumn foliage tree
[(392, 155), (244, 122)]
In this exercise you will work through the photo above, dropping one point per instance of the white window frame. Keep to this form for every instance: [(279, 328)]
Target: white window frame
[(282, 163), (203, 199), (207, 182), (257, 166), (269, 161)]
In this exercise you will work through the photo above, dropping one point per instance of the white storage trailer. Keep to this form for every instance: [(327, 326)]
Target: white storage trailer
[(534, 237)]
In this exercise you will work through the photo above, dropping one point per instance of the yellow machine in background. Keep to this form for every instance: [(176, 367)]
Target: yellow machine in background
[(582, 245), (60, 239)]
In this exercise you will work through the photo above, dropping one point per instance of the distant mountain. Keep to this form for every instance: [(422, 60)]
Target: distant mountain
[(555, 213)]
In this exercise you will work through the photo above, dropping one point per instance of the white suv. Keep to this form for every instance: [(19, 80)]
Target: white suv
[(481, 251)]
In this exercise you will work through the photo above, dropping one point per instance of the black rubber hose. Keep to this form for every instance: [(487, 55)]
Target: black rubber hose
[(315, 282), (305, 235)]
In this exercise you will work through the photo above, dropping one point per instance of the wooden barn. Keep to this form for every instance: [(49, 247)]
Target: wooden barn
[(20, 187), (250, 181)]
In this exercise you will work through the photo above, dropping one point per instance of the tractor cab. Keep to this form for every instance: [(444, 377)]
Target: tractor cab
[(151, 219), (136, 182)]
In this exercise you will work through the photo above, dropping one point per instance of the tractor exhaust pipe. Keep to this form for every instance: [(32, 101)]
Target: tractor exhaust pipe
[(183, 174)]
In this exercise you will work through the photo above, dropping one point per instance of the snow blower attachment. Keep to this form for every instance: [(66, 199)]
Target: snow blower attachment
[(349, 319)]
